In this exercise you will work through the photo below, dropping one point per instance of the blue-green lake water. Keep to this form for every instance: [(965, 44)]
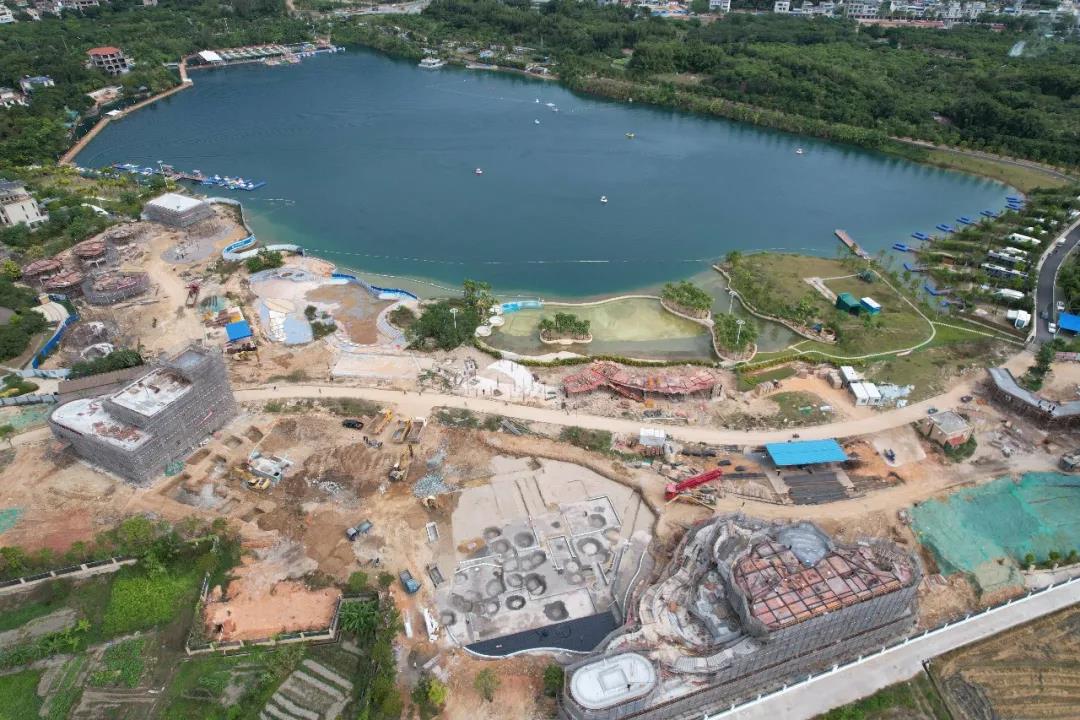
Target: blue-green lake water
[(370, 163)]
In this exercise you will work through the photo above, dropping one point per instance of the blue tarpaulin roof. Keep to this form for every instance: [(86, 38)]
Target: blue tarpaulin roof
[(805, 452), (1069, 322), (238, 330)]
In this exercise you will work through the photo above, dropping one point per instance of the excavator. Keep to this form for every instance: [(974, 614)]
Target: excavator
[(673, 490)]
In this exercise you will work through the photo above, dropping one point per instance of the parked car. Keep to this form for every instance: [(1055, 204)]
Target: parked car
[(1060, 306), (352, 424), (408, 582), (1051, 328)]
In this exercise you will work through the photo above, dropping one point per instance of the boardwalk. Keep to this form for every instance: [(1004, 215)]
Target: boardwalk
[(851, 244)]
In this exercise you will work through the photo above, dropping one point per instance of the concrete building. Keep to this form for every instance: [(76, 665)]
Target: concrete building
[(781, 6), (18, 207), (138, 430), (721, 6), (10, 97), (1047, 413), (29, 83), (945, 428), (177, 210), (79, 4), (6, 17), (743, 607), (109, 60), (862, 10)]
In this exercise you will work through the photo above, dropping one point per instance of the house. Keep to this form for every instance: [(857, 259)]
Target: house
[(5, 15), (18, 207), (846, 302), (861, 10), (106, 94), (870, 305), (781, 6), (720, 6), (30, 82), (109, 60), (866, 393), (52, 7), (945, 428), (79, 4), (10, 98)]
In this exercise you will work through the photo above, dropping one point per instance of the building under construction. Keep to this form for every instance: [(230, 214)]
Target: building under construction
[(640, 385), (113, 287), (744, 606), (137, 430), (177, 210)]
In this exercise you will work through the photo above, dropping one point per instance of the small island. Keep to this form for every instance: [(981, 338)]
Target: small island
[(687, 299), (564, 329)]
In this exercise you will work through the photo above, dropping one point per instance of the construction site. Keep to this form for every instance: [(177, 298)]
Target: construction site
[(137, 431), (744, 605)]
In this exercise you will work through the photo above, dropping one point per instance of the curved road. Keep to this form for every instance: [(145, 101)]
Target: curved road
[(1048, 272)]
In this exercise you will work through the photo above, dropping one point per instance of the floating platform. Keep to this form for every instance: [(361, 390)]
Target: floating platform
[(851, 244), (936, 292), (914, 268), (168, 171), (945, 228), (920, 236), (989, 213), (901, 247), (965, 220)]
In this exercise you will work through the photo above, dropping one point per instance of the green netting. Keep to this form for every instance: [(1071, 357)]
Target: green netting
[(8, 518), (27, 416), (988, 530)]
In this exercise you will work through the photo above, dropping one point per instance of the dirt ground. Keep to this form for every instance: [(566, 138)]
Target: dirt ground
[(1028, 672), (1063, 382)]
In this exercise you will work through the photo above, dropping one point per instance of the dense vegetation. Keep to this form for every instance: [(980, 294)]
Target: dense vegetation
[(823, 76), (445, 325), (730, 336), (687, 298), (116, 360), (17, 332), (564, 326)]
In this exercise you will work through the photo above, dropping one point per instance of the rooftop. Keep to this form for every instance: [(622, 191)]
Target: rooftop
[(805, 452), (781, 589), (103, 50), (175, 202), (153, 393), (1070, 322), (949, 422), (89, 417), (613, 681), (1005, 382)]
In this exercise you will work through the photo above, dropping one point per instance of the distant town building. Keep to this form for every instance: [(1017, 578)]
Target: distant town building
[(781, 6), (862, 10), (720, 6), (5, 15), (945, 428), (18, 207), (149, 3), (177, 210), (9, 98), (53, 7), (109, 60), (138, 430), (78, 4), (106, 94), (31, 82)]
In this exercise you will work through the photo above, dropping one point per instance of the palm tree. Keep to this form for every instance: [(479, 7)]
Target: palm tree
[(359, 618)]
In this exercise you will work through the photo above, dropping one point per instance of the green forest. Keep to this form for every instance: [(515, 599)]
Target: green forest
[(822, 76)]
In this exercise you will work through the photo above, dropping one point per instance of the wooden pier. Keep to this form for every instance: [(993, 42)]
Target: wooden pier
[(852, 245)]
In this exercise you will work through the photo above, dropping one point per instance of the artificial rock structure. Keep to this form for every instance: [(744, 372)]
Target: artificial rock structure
[(137, 430), (745, 605)]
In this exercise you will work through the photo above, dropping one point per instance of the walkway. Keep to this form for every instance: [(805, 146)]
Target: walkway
[(903, 662)]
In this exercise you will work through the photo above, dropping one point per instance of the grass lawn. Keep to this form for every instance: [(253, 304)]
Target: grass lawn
[(18, 695), (798, 408), (88, 597), (752, 380), (139, 601), (932, 370), (1021, 178), (913, 700)]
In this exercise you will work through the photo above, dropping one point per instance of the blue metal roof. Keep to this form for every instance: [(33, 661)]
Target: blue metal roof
[(238, 330), (806, 452), (1067, 321)]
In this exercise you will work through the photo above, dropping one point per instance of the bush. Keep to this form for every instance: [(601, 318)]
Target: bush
[(688, 298), (264, 260), (437, 326), (486, 683), (358, 582), (730, 337), (962, 451), (139, 600), (554, 677), (402, 316), (595, 440), (116, 360)]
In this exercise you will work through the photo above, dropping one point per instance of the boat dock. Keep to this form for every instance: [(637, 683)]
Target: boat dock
[(852, 245), (171, 173)]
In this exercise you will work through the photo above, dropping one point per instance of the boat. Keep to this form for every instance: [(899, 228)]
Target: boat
[(550, 105), (603, 199), (432, 63), (536, 122), (920, 236), (537, 101), (630, 135), (901, 247), (965, 220), (478, 171), (798, 151), (945, 228), (988, 213)]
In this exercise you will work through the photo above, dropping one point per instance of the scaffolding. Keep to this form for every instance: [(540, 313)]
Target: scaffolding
[(114, 287), (138, 430)]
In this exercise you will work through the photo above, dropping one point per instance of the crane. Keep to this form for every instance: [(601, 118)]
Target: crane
[(673, 490)]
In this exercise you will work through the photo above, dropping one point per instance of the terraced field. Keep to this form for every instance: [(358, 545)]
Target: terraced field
[(1032, 672)]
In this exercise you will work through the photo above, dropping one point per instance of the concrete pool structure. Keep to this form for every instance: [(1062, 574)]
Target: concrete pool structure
[(542, 553)]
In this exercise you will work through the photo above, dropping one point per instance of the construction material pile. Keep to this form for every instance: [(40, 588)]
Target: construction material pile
[(637, 384)]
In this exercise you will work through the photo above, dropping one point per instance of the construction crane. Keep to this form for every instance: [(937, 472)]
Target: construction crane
[(673, 490)]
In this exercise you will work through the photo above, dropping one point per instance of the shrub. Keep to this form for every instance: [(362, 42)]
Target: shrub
[(554, 677), (595, 440), (486, 683), (116, 360)]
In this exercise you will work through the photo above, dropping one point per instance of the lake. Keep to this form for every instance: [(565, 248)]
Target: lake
[(370, 162)]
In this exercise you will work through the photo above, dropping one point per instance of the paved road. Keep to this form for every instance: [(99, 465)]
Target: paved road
[(415, 405), (1044, 290), (902, 663)]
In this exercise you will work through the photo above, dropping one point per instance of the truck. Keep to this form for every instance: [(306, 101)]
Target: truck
[(354, 532), (411, 585)]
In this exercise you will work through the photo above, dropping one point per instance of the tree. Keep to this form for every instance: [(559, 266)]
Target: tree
[(10, 270), (7, 432), (358, 582), (486, 683), (554, 677), (699, 7), (359, 618), (477, 295), (443, 325)]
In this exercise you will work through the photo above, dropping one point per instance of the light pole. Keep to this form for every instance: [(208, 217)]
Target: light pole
[(731, 300), (738, 330), (453, 313)]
